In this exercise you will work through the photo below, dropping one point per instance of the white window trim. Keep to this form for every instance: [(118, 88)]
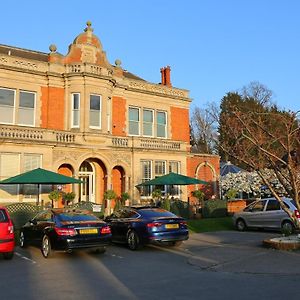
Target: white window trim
[(166, 125), (14, 107), (72, 110), (139, 122), (100, 112), (153, 119), (34, 108)]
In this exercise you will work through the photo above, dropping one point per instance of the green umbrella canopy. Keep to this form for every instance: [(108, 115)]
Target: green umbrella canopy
[(40, 176), (172, 179)]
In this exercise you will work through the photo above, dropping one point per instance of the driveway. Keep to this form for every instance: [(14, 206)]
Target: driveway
[(240, 252), (220, 265)]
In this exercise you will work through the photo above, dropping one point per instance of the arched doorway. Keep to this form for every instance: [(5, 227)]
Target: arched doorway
[(67, 170), (118, 180), (87, 188), (94, 176), (205, 171)]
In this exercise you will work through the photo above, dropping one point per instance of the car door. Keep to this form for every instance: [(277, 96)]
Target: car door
[(35, 227), (255, 217), (273, 214), (115, 223)]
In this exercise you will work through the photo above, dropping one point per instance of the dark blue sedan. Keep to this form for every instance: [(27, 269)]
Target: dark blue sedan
[(137, 226)]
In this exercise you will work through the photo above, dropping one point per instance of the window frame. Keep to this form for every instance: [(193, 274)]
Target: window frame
[(14, 107), (165, 125), (138, 122), (73, 110), (145, 123), (100, 111), (33, 109)]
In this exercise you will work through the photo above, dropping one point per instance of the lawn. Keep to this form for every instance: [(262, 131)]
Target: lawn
[(210, 224)]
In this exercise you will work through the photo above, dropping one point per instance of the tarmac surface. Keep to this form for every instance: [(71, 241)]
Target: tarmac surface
[(240, 252)]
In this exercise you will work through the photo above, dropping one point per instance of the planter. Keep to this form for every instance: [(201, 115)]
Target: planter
[(283, 243)]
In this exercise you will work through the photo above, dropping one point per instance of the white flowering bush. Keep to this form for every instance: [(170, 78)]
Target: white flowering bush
[(251, 183)]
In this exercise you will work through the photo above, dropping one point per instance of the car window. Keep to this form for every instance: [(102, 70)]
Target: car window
[(155, 212), (259, 206), (75, 217), (45, 216), (130, 214), (273, 204), (3, 216)]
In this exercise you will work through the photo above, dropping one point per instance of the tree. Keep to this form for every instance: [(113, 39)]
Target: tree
[(266, 138), (204, 124)]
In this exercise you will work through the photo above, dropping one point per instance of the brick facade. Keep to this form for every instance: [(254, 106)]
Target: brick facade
[(95, 121)]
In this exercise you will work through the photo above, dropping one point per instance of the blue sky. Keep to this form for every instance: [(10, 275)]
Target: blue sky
[(212, 46)]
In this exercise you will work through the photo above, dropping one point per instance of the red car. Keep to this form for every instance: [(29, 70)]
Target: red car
[(7, 236)]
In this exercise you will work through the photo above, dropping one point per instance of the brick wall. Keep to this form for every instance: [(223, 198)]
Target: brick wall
[(207, 168), (180, 124), (52, 108), (118, 116)]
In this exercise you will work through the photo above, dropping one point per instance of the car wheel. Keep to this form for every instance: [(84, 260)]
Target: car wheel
[(22, 240), (240, 225), (287, 228), (100, 250), (133, 240), (8, 255), (46, 246)]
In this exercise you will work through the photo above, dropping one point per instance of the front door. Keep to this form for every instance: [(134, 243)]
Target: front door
[(87, 188)]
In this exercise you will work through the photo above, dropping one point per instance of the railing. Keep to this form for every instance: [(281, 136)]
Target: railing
[(23, 134), (34, 134), (56, 136), (159, 144), (88, 68), (148, 143), (120, 142)]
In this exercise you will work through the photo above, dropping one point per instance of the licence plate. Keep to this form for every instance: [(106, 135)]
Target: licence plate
[(171, 226), (88, 231)]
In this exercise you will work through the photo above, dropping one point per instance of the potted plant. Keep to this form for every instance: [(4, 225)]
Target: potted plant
[(156, 196), (124, 197), (54, 196), (109, 195), (68, 197)]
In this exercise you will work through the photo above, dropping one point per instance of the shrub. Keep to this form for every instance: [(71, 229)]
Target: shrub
[(214, 209)]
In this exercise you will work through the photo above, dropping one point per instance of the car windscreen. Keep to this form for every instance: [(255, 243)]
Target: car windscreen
[(76, 217), (3, 216), (155, 213)]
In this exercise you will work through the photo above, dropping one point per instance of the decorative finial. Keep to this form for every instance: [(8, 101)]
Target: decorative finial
[(88, 28), (52, 48), (118, 63)]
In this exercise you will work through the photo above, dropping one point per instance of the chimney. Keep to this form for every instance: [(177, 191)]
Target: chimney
[(166, 76)]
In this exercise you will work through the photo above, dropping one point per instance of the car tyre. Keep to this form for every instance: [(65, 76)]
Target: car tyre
[(22, 241), (8, 255), (287, 228), (240, 225), (46, 246), (133, 240)]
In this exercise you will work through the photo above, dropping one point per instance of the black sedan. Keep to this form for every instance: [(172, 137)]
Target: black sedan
[(137, 226), (65, 230)]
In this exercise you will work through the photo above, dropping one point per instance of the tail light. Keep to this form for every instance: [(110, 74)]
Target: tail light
[(183, 223), (154, 224), (105, 230), (10, 228), (297, 214), (65, 231)]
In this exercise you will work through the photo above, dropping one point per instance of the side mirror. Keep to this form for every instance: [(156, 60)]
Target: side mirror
[(33, 221)]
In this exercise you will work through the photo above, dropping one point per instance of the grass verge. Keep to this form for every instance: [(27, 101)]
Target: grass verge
[(210, 224)]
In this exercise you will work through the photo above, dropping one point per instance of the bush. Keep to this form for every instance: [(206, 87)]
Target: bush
[(214, 209)]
